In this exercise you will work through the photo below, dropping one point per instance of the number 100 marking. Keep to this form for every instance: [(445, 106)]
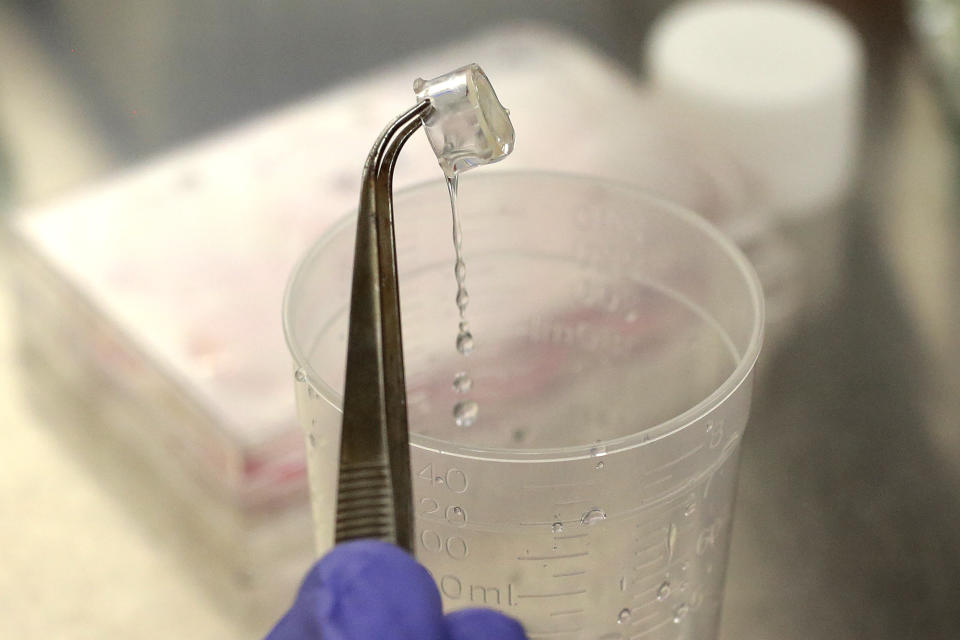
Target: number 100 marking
[(454, 546)]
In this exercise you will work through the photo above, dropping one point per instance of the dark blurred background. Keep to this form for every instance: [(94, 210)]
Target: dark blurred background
[(145, 76)]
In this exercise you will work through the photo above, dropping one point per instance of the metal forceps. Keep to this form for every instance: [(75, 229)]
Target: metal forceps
[(374, 493), (467, 126)]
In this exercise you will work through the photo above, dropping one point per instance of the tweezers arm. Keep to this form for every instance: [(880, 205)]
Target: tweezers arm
[(374, 494)]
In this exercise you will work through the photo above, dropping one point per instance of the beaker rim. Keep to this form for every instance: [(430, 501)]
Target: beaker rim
[(740, 374)]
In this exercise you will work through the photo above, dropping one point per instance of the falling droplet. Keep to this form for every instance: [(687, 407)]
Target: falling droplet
[(671, 540), (460, 270), (689, 510), (664, 591), (463, 298), (462, 382), (623, 616), (680, 613), (465, 413), (465, 343), (592, 517), (598, 466), (557, 527)]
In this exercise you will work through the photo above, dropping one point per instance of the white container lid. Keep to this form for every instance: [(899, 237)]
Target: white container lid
[(777, 82)]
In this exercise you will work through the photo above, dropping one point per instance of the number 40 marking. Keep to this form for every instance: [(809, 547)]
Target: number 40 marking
[(453, 479)]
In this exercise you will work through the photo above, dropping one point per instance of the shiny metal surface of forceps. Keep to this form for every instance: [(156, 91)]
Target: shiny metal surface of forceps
[(374, 498)]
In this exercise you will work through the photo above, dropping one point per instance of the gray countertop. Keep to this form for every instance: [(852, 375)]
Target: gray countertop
[(848, 520)]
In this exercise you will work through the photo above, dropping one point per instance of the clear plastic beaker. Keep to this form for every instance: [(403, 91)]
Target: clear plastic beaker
[(615, 339)]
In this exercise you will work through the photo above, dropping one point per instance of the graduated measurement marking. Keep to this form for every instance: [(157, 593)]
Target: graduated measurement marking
[(548, 523), (650, 630), (569, 574), (452, 587), (697, 449), (568, 612), (646, 618), (560, 594), (564, 556), (570, 501), (552, 634), (666, 478), (647, 549), (649, 591), (648, 604), (649, 563), (559, 485)]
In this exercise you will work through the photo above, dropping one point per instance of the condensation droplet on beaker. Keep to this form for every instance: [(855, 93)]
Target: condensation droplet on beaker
[(684, 566), (598, 450), (465, 413), (631, 316), (439, 481), (680, 613), (418, 85), (623, 616), (663, 592), (313, 440), (465, 343), (462, 382), (689, 509), (519, 435), (592, 517), (557, 527), (671, 540), (598, 466), (300, 375)]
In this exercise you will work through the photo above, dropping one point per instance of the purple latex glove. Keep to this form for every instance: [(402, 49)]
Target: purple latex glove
[(369, 590)]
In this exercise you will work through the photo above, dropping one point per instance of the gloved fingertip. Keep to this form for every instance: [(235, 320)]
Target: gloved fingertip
[(365, 589), (483, 624)]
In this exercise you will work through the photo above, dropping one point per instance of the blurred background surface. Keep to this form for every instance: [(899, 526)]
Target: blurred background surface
[(848, 520)]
